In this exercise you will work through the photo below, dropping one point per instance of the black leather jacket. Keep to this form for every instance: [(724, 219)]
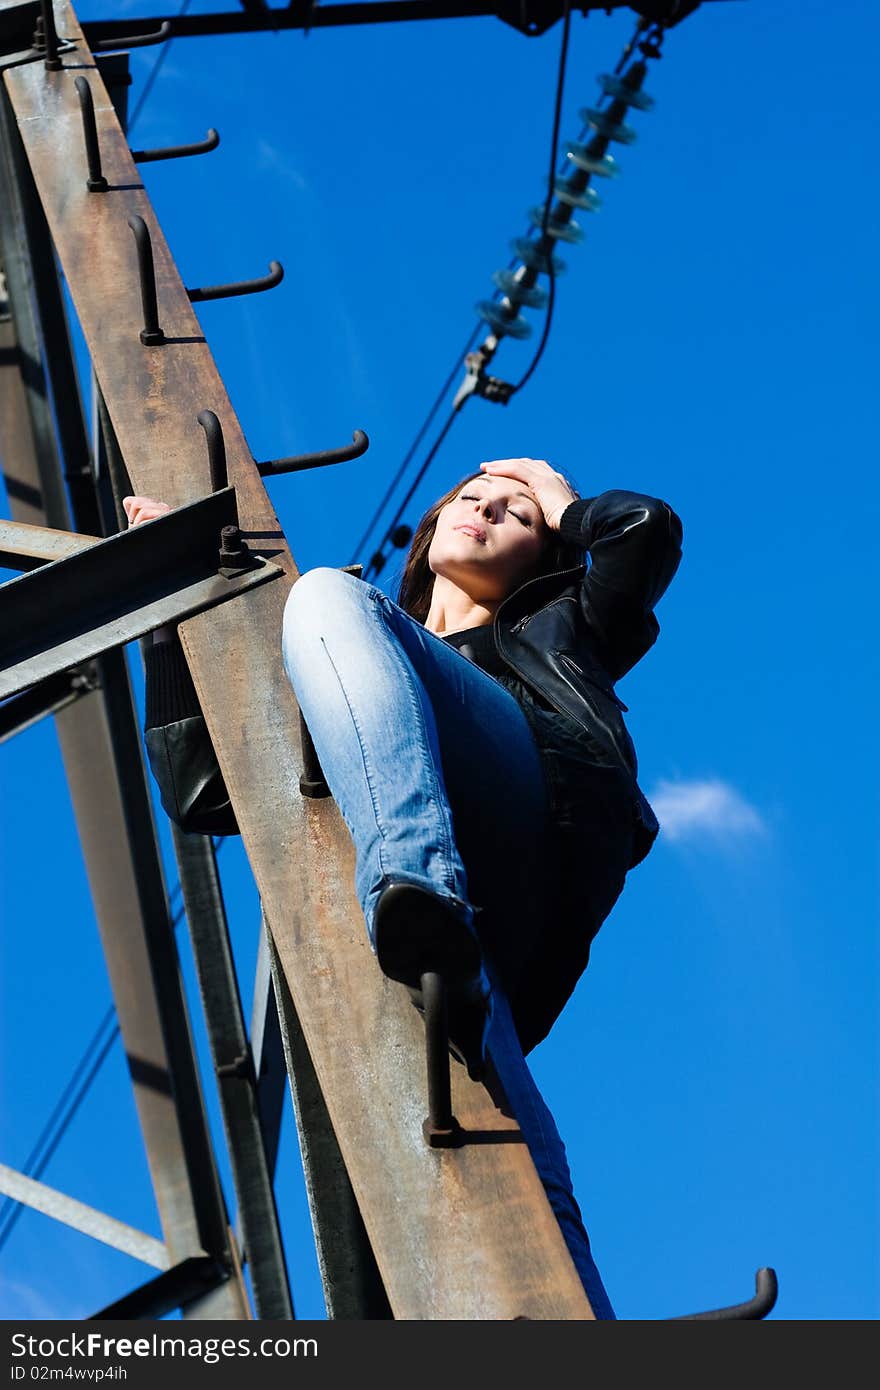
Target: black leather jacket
[(568, 636), (572, 634)]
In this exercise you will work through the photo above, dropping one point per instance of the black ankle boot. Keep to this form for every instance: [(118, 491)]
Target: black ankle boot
[(415, 931)]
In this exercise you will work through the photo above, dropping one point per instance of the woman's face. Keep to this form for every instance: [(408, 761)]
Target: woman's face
[(489, 538)]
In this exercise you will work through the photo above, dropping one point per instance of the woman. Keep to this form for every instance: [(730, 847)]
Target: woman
[(474, 743)]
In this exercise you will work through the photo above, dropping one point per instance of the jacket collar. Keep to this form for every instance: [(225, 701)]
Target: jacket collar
[(535, 592)]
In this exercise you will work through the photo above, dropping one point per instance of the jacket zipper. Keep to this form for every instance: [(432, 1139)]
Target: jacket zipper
[(573, 666)]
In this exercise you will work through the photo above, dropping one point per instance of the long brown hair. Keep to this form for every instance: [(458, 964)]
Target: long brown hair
[(417, 579)]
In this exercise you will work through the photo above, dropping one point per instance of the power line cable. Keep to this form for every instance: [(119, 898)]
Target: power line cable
[(154, 73), (36, 1167), (560, 85), (456, 367), (551, 180), (428, 461)]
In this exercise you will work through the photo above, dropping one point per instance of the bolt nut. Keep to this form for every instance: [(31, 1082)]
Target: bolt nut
[(233, 550)]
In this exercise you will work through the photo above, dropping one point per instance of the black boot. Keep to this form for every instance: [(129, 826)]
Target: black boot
[(415, 931)]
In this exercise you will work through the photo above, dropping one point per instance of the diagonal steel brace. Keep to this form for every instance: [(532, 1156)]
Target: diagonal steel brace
[(119, 589)]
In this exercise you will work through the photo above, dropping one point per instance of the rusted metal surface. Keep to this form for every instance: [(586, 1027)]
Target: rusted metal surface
[(50, 696), (24, 547), (38, 310), (234, 1069), (102, 596), (530, 17), (18, 445), (458, 1234), (353, 1288), (102, 753), (115, 825)]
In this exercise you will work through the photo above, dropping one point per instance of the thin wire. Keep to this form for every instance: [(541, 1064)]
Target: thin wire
[(641, 25), (154, 73), (34, 1155), (421, 473), (554, 146), (37, 1162), (456, 367), (38, 1168), (560, 83)]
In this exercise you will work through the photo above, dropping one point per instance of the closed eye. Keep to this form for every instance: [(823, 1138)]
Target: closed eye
[(470, 497)]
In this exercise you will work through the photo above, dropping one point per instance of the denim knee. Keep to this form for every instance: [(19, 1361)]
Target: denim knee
[(315, 595), (313, 586)]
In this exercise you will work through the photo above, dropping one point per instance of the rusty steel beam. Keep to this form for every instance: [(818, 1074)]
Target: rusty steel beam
[(28, 446), (469, 1233), (25, 547), (105, 773), (530, 17), (49, 378), (102, 754), (353, 1288), (104, 595), (260, 1233), (50, 696)]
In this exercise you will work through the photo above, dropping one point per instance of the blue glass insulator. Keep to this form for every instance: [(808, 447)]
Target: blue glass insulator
[(603, 125), (531, 255), (633, 96), (577, 198), (517, 292), (591, 164), (491, 311), (561, 231)]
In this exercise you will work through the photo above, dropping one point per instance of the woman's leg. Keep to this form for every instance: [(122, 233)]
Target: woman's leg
[(433, 766), (431, 761), (546, 1148)]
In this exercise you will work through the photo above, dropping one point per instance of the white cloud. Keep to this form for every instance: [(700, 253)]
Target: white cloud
[(697, 810), (270, 157)]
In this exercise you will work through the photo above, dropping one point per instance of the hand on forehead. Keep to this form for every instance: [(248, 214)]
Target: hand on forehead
[(524, 470), (551, 490)]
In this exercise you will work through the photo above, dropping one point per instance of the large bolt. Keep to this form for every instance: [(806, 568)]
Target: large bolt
[(233, 550)]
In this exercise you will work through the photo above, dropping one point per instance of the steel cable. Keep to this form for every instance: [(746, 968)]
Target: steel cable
[(369, 568)]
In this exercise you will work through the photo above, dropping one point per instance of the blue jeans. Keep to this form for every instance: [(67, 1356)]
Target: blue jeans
[(435, 771)]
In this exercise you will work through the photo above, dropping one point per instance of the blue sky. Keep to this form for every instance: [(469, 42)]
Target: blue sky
[(714, 343)]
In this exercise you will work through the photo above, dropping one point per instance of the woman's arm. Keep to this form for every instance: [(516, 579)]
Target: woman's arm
[(634, 542)]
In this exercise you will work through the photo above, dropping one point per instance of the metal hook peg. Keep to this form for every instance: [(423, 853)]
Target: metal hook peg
[(46, 36), (216, 449), (766, 1290), (134, 40), (151, 333), (359, 445), (264, 282), (95, 183), (210, 142)]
